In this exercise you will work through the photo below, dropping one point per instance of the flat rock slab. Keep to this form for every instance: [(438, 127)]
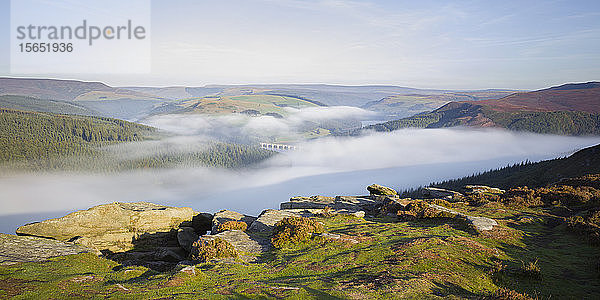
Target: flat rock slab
[(115, 227), (268, 218), (339, 203), (249, 246), (16, 249), (480, 223)]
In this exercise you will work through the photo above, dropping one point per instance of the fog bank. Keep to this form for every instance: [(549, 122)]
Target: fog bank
[(401, 159)]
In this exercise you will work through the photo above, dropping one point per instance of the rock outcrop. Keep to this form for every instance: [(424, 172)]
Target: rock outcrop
[(376, 189), (186, 236), (339, 204), (161, 237), (16, 249), (116, 227)]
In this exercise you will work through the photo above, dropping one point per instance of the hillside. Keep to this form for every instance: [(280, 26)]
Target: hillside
[(571, 111), (583, 97), (45, 141), (249, 104), (30, 136), (401, 106), (70, 90), (330, 95), (44, 105)]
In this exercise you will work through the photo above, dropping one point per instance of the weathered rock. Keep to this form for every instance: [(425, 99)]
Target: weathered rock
[(339, 204), (186, 236), (249, 245), (227, 215), (267, 219), (15, 249), (480, 223), (115, 227), (432, 192), (376, 189), (201, 222), (307, 202), (481, 189)]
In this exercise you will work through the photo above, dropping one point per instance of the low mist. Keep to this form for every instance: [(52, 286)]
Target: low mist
[(328, 166), (242, 128)]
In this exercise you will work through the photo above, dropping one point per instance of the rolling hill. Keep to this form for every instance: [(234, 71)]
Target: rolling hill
[(401, 106), (250, 104), (94, 96), (572, 109), (69, 90), (584, 97), (44, 105), (37, 141)]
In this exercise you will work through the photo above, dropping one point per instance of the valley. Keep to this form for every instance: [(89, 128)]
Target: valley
[(204, 148)]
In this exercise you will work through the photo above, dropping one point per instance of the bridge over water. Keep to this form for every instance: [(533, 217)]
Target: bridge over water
[(278, 147)]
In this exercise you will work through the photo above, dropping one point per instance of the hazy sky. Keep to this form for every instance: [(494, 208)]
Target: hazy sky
[(441, 44)]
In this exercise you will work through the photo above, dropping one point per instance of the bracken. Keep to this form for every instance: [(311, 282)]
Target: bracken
[(203, 250), (293, 230), (232, 225)]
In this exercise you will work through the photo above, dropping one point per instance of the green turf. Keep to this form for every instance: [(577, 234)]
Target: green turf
[(421, 259)]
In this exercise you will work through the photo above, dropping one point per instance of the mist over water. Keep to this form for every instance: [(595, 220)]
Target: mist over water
[(329, 166)]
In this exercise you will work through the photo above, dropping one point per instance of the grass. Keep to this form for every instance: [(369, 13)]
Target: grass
[(236, 104), (390, 259)]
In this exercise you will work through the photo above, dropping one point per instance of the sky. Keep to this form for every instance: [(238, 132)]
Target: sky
[(424, 44)]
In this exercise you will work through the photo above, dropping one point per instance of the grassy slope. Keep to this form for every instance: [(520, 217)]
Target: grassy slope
[(232, 104), (393, 259)]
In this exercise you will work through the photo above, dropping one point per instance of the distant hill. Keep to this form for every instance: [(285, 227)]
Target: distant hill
[(330, 95), (94, 96), (539, 174), (401, 106), (584, 97), (570, 109), (44, 105), (70, 90), (261, 104)]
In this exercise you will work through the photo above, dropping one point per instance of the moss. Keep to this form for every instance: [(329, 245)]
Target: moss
[(293, 230), (232, 225), (203, 250)]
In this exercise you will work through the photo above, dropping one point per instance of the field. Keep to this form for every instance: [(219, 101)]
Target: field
[(237, 104)]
